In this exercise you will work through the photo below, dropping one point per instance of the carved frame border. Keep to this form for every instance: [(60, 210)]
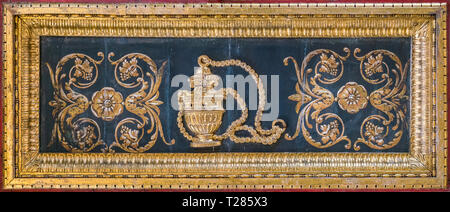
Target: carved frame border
[(424, 167)]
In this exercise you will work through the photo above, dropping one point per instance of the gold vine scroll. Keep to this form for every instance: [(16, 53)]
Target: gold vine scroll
[(81, 134), (352, 97)]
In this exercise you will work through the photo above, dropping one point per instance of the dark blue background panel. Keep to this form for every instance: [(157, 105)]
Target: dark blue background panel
[(266, 57)]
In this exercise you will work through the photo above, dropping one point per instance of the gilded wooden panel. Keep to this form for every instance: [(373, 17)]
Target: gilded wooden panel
[(364, 103)]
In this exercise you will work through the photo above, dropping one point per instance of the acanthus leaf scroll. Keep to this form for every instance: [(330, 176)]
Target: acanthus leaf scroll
[(312, 99), (85, 133), (82, 134)]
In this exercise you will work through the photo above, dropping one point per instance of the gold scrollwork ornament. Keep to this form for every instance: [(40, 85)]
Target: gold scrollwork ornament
[(352, 97), (68, 104), (107, 103), (144, 103), (328, 70)]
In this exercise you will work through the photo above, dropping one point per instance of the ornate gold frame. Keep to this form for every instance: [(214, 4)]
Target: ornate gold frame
[(425, 166)]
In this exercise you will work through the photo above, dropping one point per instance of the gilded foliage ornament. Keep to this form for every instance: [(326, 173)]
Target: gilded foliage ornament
[(68, 103), (312, 99), (106, 104), (329, 126)]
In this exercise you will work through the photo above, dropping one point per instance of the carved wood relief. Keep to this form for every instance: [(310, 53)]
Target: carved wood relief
[(332, 98)]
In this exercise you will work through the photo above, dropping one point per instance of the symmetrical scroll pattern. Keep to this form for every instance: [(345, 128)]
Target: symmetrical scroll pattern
[(313, 99), (81, 134), (143, 103)]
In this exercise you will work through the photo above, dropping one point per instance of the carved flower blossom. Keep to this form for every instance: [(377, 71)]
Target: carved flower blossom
[(330, 131), (83, 69), (129, 137), (107, 104), (85, 136), (373, 65), (128, 69), (373, 133), (329, 64), (352, 97)]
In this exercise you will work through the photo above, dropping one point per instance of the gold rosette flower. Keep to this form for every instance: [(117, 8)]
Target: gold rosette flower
[(352, 97), (107, 104)]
